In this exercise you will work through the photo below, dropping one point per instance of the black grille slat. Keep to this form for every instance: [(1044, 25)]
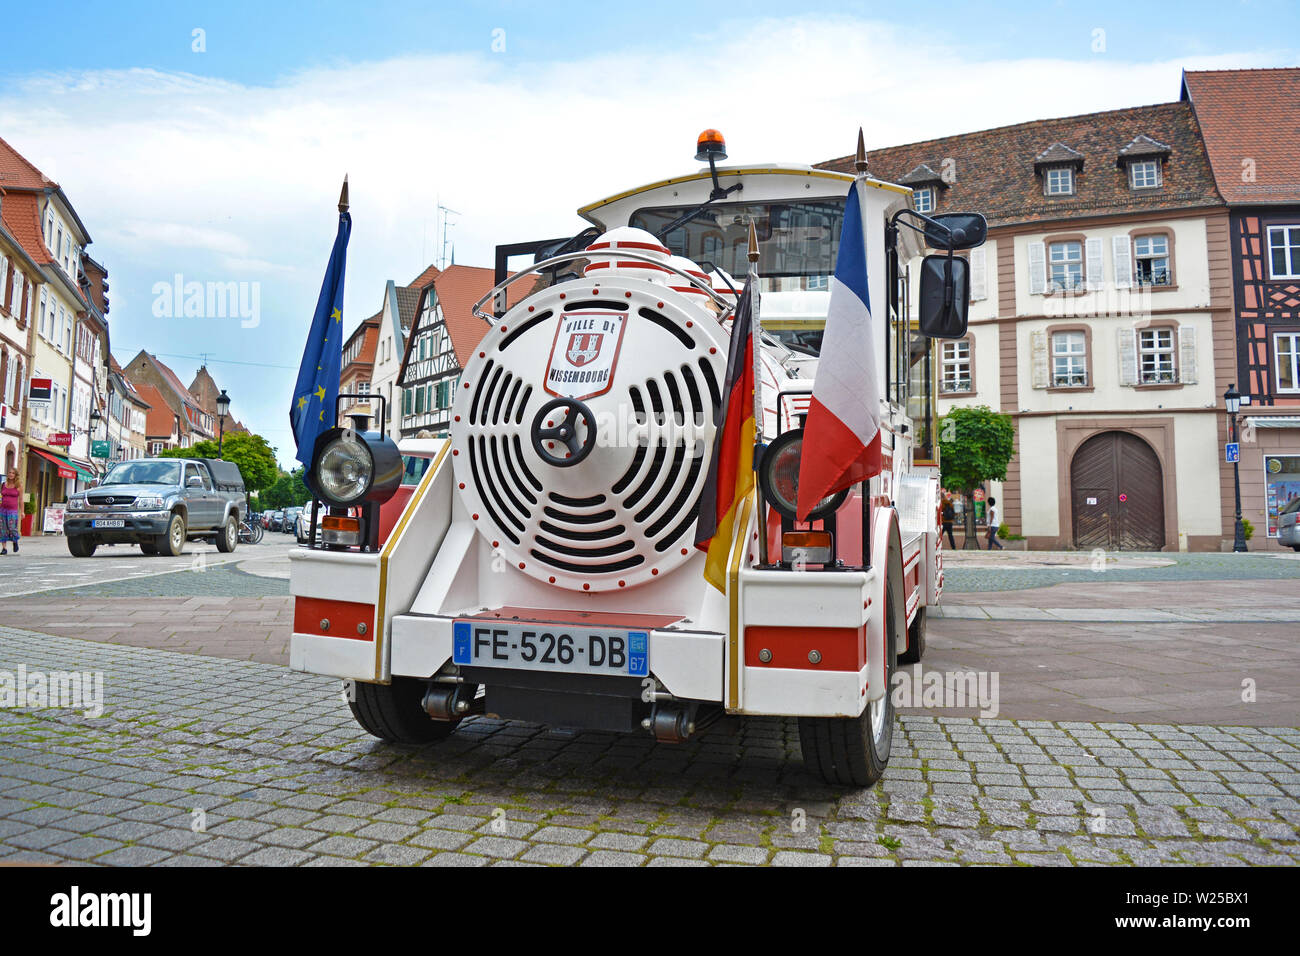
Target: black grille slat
[(505, 485), (596, 518), (675, 397), (510, 403), (478, 483), (519, 416), (693, 389), (606, 551), (679, 503), (711, 380), (523, 465), (478, 392), (591, 502), (669, 326), (665, 486), (488, 392), (514, 519), (521, 329), (599, 535), (501, 397), (510, 467), (612, 567), (643, 489)]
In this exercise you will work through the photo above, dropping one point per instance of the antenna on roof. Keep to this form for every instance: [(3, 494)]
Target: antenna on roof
[(442, 251)]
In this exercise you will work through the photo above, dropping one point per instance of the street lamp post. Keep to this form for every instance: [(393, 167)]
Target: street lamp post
[(223, 406), (1232, 399)]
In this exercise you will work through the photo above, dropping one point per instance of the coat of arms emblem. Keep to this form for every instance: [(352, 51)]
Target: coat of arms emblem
[(584, 347)]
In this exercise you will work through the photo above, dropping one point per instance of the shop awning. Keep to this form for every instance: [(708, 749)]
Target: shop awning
[(1273, 421), (67, 468)]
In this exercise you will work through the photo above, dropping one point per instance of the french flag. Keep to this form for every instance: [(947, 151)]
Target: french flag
[(842, 432)]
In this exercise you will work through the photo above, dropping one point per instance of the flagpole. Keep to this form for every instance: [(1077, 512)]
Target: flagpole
[(756, 325), (860, 174)]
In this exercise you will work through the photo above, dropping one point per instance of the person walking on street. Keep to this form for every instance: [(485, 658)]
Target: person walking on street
[(993, 516), (10, 498), (949, 514)]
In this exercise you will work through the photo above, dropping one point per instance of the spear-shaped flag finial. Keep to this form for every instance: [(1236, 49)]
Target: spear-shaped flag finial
[(343, 196), (860, 160), (753, 242)]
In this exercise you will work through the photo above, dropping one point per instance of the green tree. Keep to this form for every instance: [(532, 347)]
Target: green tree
[(287, 491), (975, 445), (250, 453)]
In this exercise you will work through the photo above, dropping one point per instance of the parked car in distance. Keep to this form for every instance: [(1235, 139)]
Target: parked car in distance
[(287, 524), (159, 504), (302, 525), (1288, 525), (276, 522)]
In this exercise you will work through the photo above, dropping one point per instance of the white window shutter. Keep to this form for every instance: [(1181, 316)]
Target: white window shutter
[(979, 286), (1187, 354), (1037, 268), (1128, 366), (1038, 358), (1123, 262), (1095, 263)]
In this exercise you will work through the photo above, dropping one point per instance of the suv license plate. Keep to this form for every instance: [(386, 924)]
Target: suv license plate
[(108, 523), (552, 647)]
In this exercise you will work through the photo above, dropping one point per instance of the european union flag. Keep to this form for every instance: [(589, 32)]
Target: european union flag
[(316, 392)]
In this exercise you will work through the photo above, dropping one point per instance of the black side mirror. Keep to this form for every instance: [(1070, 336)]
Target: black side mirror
[(945, 296), (966, 230)]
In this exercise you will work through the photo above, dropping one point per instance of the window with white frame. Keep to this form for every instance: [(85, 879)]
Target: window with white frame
[(1286, 359), (1284, 252), (1156, 357), (1065, 266), (1151, 260), (1069, 359), (923, 199), (956, 360), (1060, 181), (1144, 174)]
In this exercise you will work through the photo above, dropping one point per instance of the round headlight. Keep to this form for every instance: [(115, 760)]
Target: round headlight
[(344, 469), (779, 478)]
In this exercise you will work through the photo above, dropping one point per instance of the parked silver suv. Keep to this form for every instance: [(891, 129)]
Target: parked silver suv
[(158, 503)]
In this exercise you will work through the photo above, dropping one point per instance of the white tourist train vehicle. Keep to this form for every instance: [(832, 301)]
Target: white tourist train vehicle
[(538, 563)]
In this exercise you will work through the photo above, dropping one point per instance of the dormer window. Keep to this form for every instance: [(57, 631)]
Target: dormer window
[(923, 199), (1144, 174), (926, 184), (1059, 181), (1143, 160)]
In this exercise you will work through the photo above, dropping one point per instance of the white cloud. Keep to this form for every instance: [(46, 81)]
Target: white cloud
[(175, 172)]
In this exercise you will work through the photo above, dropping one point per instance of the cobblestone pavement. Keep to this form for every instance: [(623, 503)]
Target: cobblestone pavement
[(200, 761), (981, 571)]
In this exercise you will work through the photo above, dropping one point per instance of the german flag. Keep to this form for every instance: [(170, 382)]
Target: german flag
[(731, 469)]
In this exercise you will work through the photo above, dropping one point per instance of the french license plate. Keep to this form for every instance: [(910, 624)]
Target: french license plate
[(108, 523), (552, 647)]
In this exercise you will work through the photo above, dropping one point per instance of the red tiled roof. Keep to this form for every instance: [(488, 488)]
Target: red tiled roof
[(22, 218), (425, 277), (995, 169), (17, 173), (1251, 123), (458, 288)]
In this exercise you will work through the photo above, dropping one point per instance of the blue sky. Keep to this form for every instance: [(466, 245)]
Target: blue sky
[(223, 165)]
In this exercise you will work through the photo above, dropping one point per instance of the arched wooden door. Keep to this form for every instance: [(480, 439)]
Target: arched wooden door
[(1117, 491)]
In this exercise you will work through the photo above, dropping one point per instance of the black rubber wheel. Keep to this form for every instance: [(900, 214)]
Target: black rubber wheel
[(172, 543), (228, 536), (854, 751), (149, 548), (915, 639), (393, 712), (80, 546)]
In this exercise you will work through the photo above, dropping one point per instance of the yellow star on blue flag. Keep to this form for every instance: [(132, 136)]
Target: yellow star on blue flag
[(322, 357)]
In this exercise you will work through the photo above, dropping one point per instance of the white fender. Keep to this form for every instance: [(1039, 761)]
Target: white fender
[(887, 563)]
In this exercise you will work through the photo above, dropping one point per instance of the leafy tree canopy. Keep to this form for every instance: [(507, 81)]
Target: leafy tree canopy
[(975, 445), (287, 491), (250, 453)]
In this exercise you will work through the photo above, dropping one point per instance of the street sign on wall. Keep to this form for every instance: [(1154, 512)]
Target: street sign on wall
[(100, 449), (1232, 452), (39, 390), (59, 438)]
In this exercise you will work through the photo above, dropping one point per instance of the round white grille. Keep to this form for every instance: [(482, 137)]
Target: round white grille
[(625, 513)]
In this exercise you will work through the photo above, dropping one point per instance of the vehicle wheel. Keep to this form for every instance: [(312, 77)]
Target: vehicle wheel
[(393, 712), (149, 547), (173, 542), (81, 546), (915, 639), (228, 536), (855, 750)]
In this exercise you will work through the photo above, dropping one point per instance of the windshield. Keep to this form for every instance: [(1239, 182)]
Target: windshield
[(144, 472), (797, 241)]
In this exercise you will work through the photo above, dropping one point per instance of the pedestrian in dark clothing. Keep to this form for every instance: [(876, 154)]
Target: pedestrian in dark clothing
[(949, 514), (993, 525)]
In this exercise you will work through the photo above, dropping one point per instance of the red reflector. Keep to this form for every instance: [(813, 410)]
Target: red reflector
[(328, 618)]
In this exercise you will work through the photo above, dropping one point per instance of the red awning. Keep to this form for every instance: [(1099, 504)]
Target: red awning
[(66, 468)]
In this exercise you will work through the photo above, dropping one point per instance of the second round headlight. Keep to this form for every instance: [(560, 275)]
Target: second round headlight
[(779, 478), (344, 469)]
